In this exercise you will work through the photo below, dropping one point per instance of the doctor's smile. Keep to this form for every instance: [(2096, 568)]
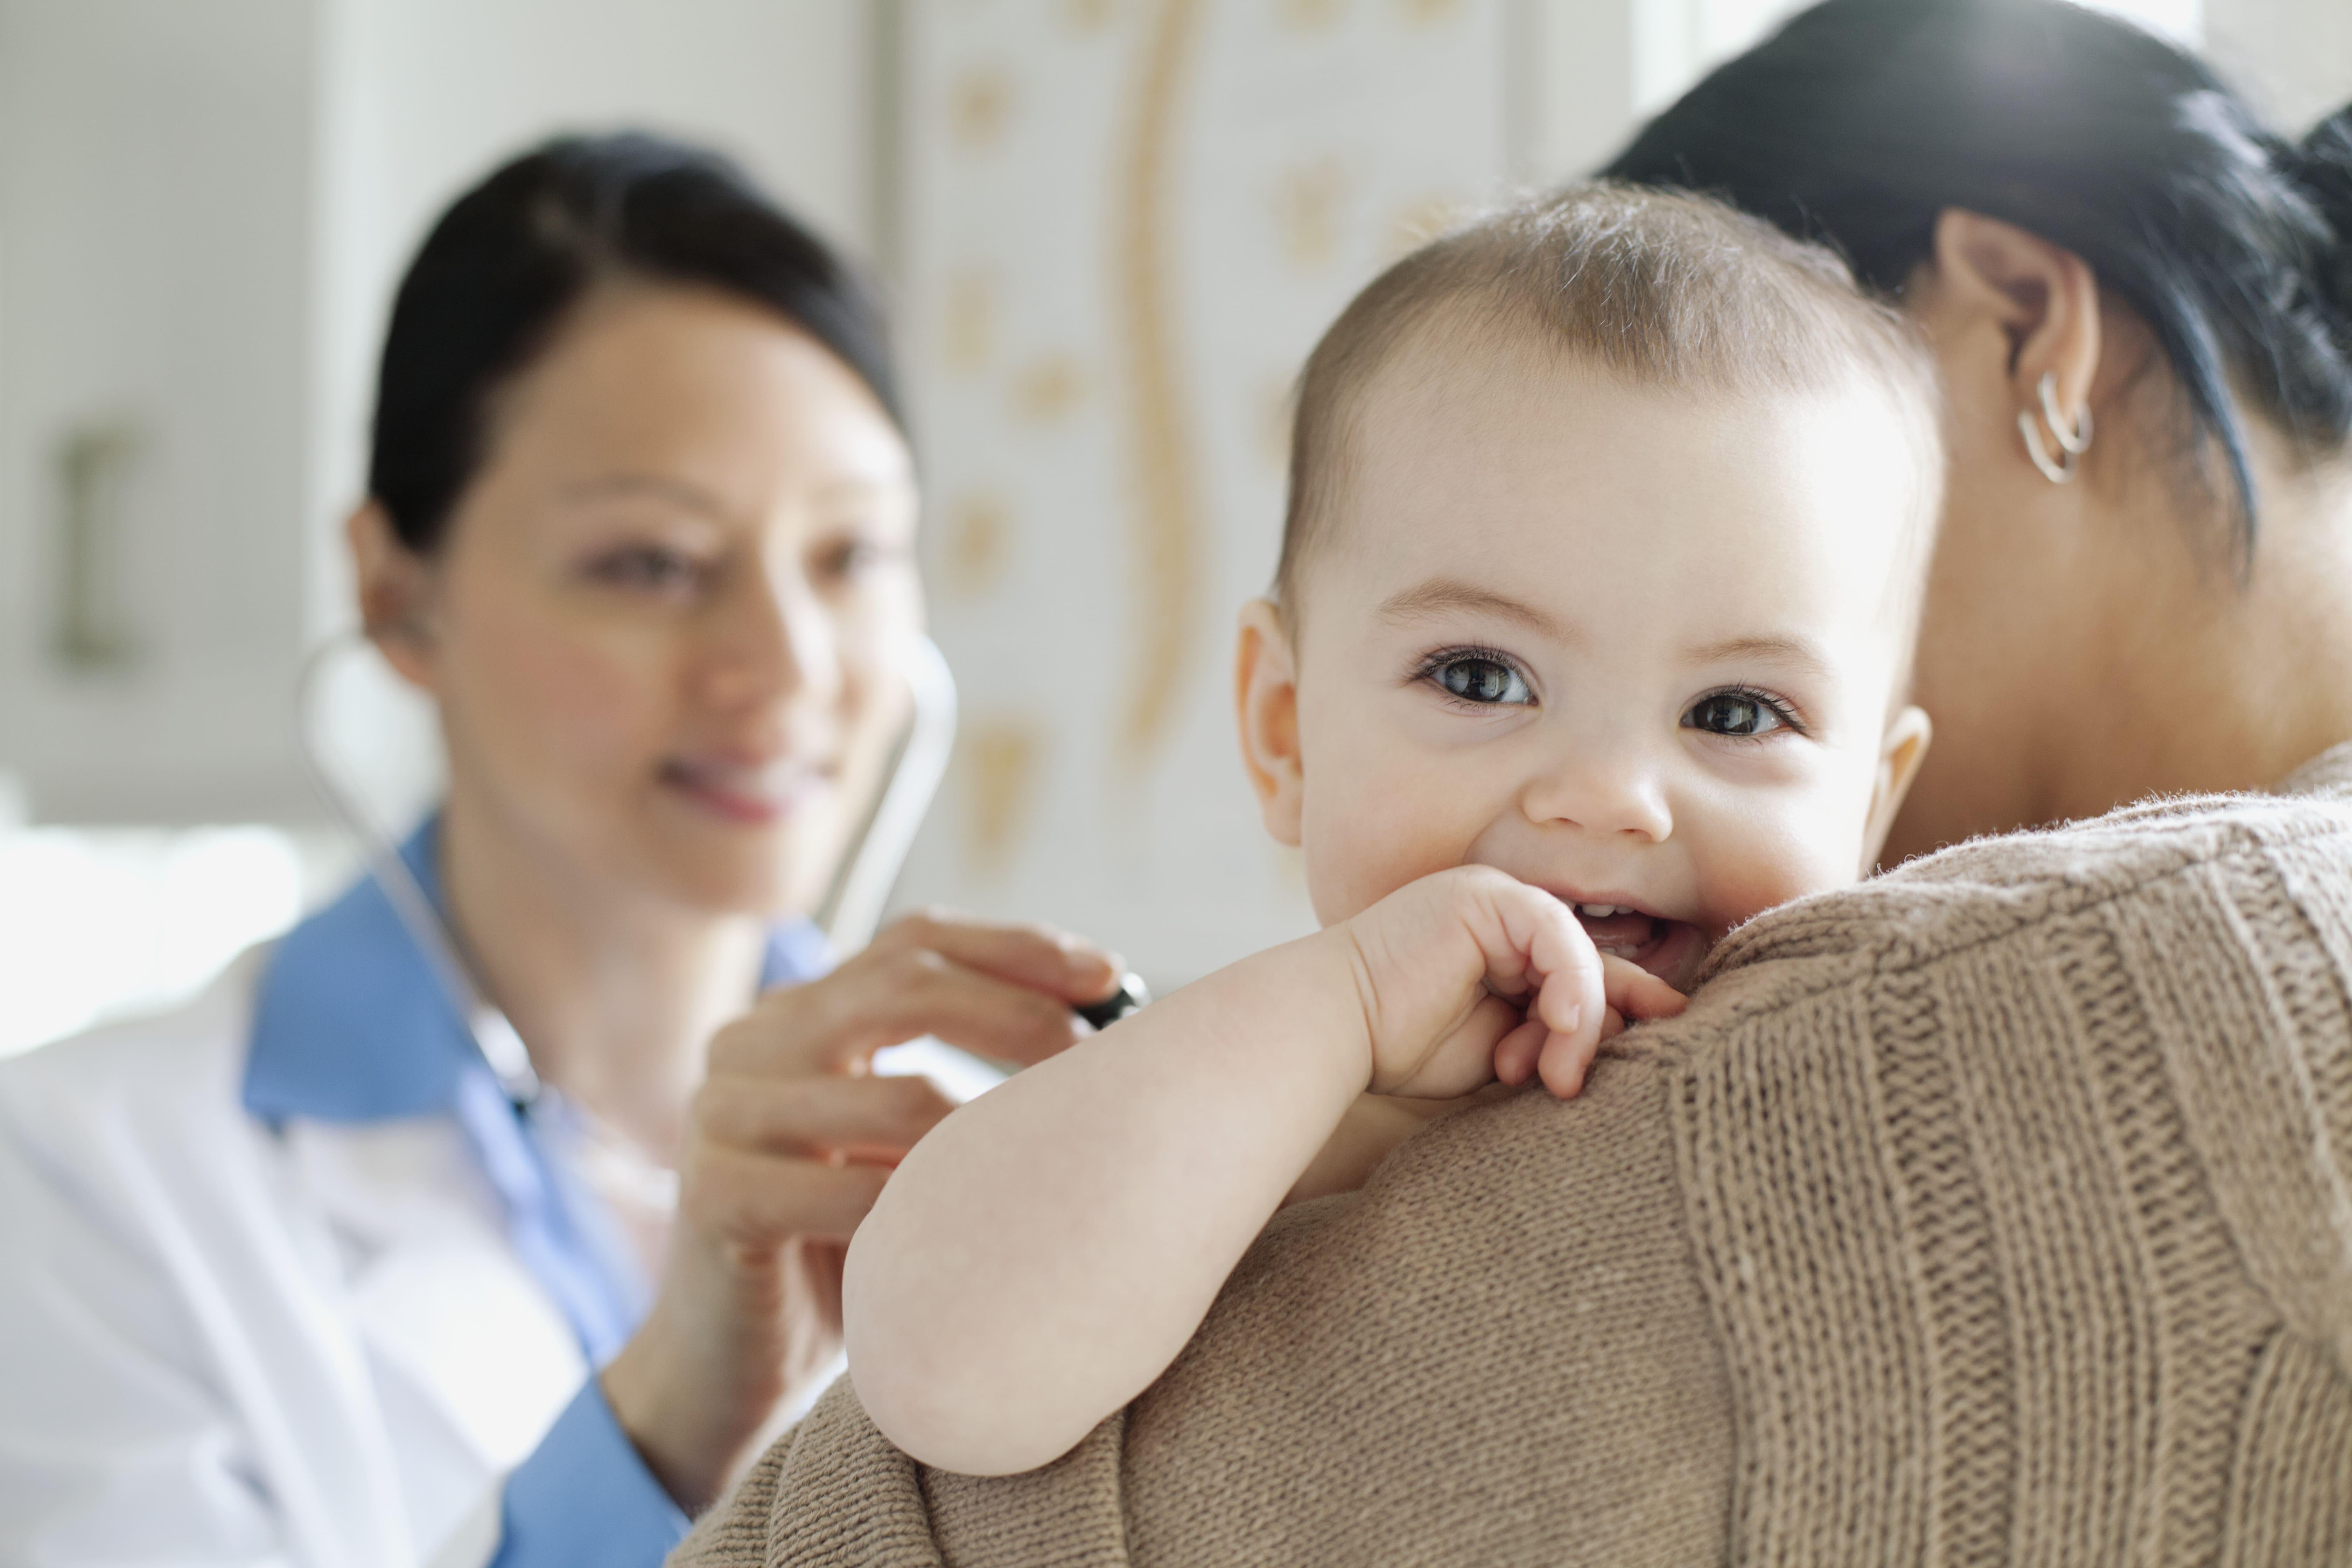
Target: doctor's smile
[(751, 793)]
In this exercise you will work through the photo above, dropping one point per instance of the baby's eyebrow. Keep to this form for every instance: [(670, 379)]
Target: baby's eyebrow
[(1440, 594), (1792, 651)]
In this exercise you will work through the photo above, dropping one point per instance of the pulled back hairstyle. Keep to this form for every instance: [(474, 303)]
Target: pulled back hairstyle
[(1860, 120), (507, 262), (1660, 287)]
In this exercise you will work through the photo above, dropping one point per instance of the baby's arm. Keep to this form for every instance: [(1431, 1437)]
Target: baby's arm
[(1048, 1250), (1369, 1133)]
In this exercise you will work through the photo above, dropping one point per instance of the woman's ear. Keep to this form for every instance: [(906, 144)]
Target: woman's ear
[(395, 586), (1265, 701), (2006, 308), (1899, 756)]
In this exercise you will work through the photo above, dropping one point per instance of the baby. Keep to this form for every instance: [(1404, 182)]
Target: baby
[(1608, 524)]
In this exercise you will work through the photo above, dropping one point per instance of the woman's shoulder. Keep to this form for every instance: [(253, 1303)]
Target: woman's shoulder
[(2265, 845), (2050, 1107), (168, 1075)]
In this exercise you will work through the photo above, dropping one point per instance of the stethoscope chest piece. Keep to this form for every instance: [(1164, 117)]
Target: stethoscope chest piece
[(1131, 994)]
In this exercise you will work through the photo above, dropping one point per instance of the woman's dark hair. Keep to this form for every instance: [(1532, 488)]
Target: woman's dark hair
[(500, 270), (1862, 120)]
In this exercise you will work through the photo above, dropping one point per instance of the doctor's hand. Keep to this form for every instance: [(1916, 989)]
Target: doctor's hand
[(788, 1141)]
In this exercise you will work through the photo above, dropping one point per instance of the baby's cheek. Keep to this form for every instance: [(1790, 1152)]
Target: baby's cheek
[(1774, 862), (1361, 846), (1344, 883)]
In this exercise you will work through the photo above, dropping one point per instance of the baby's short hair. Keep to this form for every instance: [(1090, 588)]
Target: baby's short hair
[(1662, 288)]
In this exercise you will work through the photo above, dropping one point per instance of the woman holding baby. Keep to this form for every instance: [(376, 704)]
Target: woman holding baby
[(1993, 1208)]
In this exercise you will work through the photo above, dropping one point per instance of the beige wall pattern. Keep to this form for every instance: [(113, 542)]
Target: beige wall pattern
[(1125, 223), (1165, 569)]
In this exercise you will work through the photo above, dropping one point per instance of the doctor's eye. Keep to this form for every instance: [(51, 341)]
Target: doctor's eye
[(1740, 713), (1478, 678), (648, 569), (846, 559)]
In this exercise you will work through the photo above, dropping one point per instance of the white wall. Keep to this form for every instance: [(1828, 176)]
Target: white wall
[(2294, 56), (154, 219)]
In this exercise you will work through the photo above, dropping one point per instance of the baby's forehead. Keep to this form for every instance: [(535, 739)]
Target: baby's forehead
[(1609, 497)]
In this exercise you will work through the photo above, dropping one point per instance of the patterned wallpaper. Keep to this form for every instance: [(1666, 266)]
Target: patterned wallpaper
[(1126, 223)]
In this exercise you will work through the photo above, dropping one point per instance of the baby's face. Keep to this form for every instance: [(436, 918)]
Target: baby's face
[(1636, 647)]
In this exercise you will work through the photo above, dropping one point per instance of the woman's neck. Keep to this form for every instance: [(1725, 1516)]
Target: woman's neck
[(2201, 683), (616, 993)]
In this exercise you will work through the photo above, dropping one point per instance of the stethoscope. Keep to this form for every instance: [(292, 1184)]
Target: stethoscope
[(851, 909)]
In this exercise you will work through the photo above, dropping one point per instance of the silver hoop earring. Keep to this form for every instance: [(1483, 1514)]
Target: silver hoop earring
[(2057, 473), (2076, 441), (2073, 443)]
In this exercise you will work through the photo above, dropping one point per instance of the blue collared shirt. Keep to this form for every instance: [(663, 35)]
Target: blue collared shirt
[(351, 1026)]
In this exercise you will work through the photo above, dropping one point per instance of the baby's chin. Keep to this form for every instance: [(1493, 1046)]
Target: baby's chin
[(1670, 950)]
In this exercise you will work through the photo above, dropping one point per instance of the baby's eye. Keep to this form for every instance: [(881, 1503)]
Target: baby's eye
[(1744, 715), (1483, 681)]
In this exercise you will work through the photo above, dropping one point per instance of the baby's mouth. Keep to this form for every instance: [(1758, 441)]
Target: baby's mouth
[(1669, 949)]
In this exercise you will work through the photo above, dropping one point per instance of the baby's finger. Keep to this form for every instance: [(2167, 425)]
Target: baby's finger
[(1462, 1061), (1572, 992), (1636, 993), (1516, 1053), (1565, 1060)]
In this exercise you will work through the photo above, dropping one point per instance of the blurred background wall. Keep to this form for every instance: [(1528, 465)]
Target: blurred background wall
[(1114, 228)]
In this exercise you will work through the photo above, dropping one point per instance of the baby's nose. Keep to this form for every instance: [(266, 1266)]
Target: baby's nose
[(1602, 797)]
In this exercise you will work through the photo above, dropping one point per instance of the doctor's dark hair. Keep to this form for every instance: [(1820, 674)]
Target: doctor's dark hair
[(1860, 120), (510, 261)]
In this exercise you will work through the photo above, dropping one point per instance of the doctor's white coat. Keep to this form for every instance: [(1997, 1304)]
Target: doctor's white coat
[(223, 1341)]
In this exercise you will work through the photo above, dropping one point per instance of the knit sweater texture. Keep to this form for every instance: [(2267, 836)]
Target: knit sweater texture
[(1998, 1210)]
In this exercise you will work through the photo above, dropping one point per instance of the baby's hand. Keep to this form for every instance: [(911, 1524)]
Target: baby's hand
[(1471, 975)]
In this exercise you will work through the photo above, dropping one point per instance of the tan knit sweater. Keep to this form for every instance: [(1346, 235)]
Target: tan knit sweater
[(1999, 1210)]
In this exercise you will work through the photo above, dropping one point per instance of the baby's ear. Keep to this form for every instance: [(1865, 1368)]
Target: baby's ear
[(1265, 701), (1899, 756)]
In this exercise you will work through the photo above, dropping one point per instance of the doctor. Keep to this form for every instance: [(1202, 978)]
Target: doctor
[(289, 1277)]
